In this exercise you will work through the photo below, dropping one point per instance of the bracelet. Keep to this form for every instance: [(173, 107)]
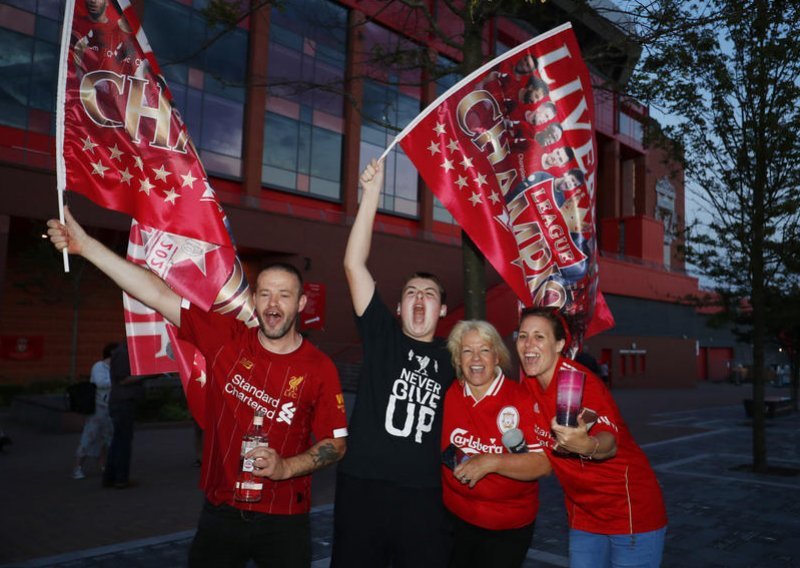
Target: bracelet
[(596, 447)]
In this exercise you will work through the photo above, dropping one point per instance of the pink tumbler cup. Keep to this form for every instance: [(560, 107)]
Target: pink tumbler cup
[(569, 395)]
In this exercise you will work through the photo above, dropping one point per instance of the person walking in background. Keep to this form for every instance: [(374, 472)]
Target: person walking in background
[(126, 391), (614, 503), (98, 428), (489, 489)]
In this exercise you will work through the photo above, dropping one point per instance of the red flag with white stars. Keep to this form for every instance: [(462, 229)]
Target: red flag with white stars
[(125, 145), (510, 151), (122, 143)]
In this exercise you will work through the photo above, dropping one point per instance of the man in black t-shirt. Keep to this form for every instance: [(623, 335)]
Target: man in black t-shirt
[(388, 507)]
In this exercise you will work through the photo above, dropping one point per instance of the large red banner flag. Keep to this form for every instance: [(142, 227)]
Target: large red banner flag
[(122, 143), (510, 151)]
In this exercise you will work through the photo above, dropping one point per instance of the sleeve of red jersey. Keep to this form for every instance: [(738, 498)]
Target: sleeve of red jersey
[(526, 421), (598, 398), (330, 418), (206, 330)]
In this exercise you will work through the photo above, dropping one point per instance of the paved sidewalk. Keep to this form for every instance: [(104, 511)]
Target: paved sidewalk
[(695, 439)]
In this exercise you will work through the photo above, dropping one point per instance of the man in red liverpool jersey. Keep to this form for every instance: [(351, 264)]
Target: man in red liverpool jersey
[(270, 368)]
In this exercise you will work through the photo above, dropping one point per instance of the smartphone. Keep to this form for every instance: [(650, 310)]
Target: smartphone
[(452, 456)]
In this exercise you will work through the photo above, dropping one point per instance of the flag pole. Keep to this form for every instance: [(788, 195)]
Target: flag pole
[(61, 169)]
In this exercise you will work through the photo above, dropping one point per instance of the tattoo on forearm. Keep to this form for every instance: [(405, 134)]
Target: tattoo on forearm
[(324, 455)]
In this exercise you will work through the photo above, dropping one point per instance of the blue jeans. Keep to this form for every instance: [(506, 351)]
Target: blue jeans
[(639, 550)]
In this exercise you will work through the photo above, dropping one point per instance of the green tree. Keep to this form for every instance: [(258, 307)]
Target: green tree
[(732, 81)]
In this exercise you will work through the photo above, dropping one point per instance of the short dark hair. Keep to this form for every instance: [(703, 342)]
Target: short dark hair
[(557, 321), (109, 349), (429, 276), (286, 267), (569, 152), (578, 173)]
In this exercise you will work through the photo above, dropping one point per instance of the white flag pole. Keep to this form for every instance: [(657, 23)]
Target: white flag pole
[(61, 169)]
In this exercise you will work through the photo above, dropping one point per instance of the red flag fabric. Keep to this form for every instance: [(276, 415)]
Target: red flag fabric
[(123, 144), (510, 151)]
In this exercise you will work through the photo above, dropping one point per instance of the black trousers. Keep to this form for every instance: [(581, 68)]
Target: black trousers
[(228, 537), (378, 523), (118, 462), (476, 547)]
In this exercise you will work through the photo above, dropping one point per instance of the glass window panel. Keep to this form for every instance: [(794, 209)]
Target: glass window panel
[(283, 135), (405, 177), (44, 76), (326, 158), (304, 148), (440, 213), (12, 113), (168, 28), (15, 72), (52, 9), (175, 73), (222, 126), (306, 52), (48, 30), (194, 113), (278, 177), (227, 57), (219, 164), (26, 5), (325, 188)]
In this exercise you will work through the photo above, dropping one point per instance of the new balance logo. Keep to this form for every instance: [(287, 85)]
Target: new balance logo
[(287, 413)]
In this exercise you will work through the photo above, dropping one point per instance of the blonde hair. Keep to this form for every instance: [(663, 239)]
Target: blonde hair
[(487, 332)]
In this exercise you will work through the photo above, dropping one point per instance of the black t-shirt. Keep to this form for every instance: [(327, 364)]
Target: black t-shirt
[(396, 426)]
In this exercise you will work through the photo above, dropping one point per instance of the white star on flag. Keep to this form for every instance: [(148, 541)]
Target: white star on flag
[(137, 161), (145, 186), (466, 163), (125, 176), (476, 199), (447, 165), (439, 128), (495, 197), (453, 145), (202, 378), (461, 182), (188, 179), (161, 173), (98, 168), (434, 148), (116, 153), (480, 180), (171, 195), (89, 145)]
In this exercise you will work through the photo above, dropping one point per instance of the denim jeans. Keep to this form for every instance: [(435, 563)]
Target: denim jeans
[(639, 550)]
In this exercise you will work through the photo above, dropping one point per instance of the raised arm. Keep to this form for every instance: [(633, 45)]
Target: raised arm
[(132, 278), (362, 286)]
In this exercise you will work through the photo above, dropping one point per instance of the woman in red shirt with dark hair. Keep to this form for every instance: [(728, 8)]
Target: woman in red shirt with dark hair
[(614, 503)]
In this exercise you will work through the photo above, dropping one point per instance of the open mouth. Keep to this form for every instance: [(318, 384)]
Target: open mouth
[(272, 318), (531, 359)]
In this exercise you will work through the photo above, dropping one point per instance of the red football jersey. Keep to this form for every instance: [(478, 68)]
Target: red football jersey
[(299, 391), (620, 495), (496, 502)]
